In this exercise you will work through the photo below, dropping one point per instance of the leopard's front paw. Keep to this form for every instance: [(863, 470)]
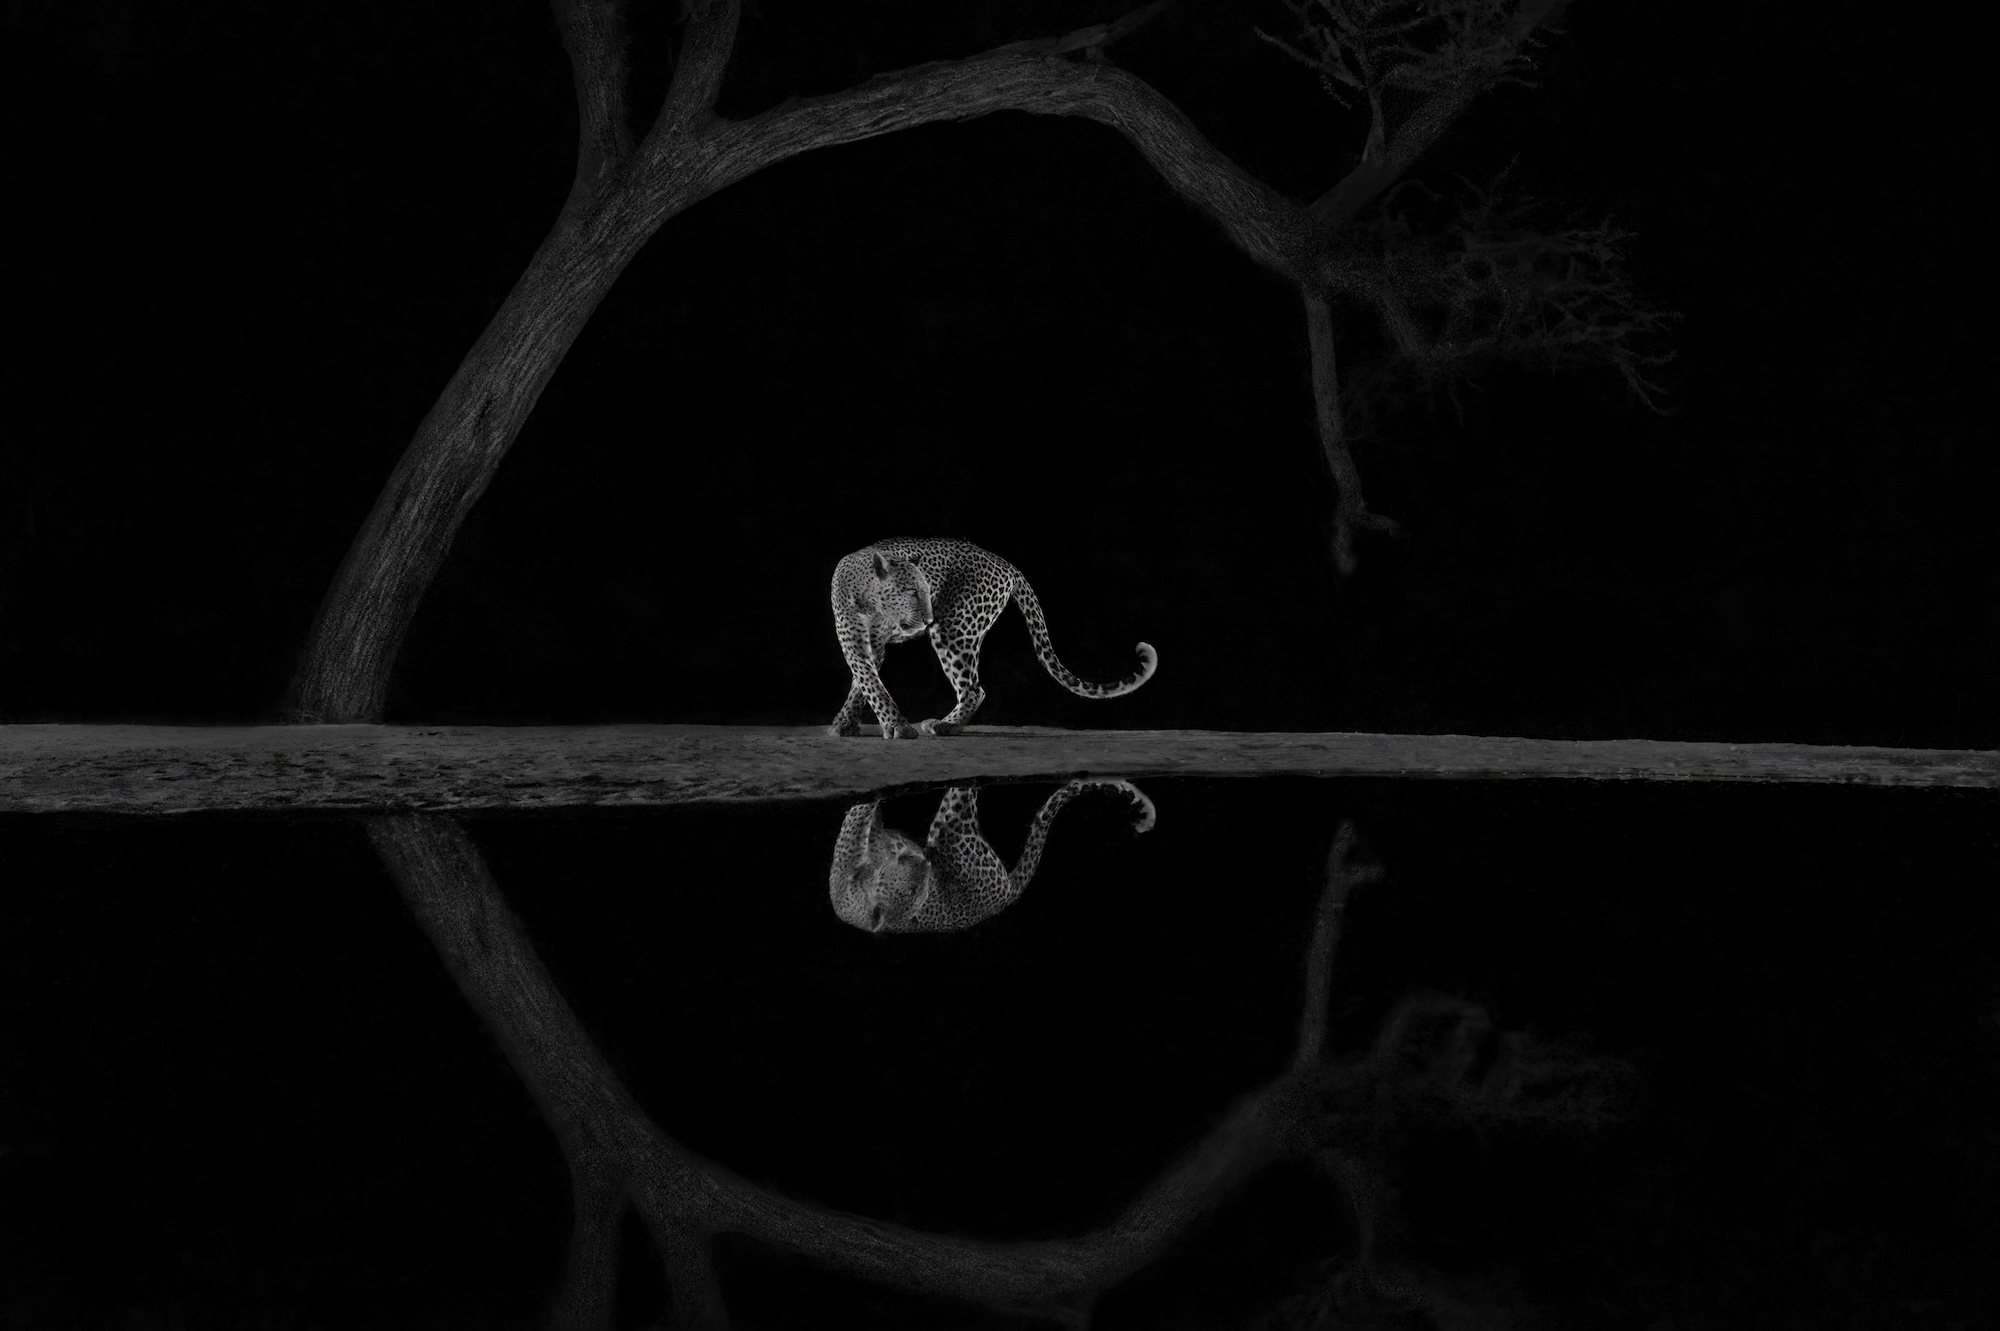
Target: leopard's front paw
[(904, 730), (940, 727), (844, 729)]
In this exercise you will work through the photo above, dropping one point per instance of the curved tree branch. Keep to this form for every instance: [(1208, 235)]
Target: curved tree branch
[(344, 669), (688, 154), (593, 33), (1266, 225), (343, 672), (705, 51)]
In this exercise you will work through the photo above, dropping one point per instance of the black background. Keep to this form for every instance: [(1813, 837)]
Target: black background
[(252, 242), (255, 239)]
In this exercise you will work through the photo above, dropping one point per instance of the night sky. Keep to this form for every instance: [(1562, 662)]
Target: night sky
[(257, 239), (237, 1090)]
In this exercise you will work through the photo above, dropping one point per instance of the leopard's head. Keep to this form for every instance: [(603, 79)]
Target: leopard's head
[(888, 883), (902, 596)]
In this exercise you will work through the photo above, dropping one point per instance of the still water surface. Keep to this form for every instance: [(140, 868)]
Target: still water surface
[(240, 1089)]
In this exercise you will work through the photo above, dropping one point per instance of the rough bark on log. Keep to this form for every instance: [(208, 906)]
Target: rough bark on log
[(442, 769)]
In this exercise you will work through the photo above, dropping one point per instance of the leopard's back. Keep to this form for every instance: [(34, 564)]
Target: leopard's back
[(969, 586)]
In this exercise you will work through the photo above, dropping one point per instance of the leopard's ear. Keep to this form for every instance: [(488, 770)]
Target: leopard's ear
[(881, 566)]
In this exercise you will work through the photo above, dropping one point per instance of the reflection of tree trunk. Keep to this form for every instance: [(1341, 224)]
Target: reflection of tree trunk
[(590, 1275), (614, 1149)]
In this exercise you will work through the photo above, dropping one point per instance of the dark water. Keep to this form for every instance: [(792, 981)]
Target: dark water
[(239, 1090)]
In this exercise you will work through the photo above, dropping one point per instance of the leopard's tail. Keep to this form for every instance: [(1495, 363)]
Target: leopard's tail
[(1038, 830), (1038, 629)]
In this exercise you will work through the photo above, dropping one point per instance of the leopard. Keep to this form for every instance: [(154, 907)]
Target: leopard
[(884, 882), (893, 591)]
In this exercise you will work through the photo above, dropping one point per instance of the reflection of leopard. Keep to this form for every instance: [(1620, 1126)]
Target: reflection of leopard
[(895, 590), (885, 882)]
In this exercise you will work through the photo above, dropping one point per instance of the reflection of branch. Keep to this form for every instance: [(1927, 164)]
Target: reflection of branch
[(687, 1200), (590, 1274), (1334, 1113), (1342, 877)]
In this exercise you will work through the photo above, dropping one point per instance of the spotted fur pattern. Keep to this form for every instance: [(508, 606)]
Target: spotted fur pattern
[(884, 882), (894, 590)]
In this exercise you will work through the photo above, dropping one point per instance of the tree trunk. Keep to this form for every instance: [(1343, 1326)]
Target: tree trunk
[(618, 202), (344, 673)]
